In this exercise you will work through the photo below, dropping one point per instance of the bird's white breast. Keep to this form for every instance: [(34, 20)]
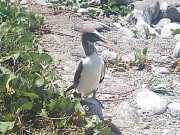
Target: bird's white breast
[(90, 75)]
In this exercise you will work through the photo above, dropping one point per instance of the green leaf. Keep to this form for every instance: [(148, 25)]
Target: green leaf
[(13, 56), (3, 79), (177, 31), (92, 12), (115, 8), (47, 59), (4, 28), (6, 126), (26, 106), (43, 113), (92, 121), (3, 59), (37, 57), (31, 95), (145, 51), (39, 82), (78, 107), (4, 70), (63, 104), (36, 67)]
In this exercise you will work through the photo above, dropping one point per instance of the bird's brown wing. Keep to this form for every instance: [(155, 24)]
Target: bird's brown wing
[(76, 76), (102, 74)]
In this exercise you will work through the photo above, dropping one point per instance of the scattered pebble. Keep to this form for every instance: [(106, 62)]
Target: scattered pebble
[(160, 70), (82, 11)]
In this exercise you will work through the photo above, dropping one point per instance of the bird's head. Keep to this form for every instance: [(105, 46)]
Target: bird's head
[(90, 36), (89, 33)]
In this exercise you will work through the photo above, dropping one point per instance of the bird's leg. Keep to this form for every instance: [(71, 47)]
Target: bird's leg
[(94, 96), (94, 93)]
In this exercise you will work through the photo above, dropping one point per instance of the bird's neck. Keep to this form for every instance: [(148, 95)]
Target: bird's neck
[(88, 46)]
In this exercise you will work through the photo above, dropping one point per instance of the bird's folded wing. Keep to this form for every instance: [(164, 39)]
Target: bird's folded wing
[(77, 75)]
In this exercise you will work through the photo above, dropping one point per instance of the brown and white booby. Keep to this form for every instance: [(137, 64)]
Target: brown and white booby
[(91, 70)]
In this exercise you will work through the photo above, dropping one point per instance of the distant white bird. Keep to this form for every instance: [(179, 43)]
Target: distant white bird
[(90, 72)]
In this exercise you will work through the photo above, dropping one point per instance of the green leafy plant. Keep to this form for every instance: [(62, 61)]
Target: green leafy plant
[(114, 8), (140, 58), (110, 8)]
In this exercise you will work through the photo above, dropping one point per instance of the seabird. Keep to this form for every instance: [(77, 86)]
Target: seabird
[(91, 70)]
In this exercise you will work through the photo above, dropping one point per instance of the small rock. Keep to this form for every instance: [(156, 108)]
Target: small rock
[(92, 107), (162, 23), (173, 13), (149, 10), (118, 25), (174, 109), (109, 55), (150, 102), (176, 51), (152, 10), (125, 115), (160, 70), (82, 11), (167, 30)]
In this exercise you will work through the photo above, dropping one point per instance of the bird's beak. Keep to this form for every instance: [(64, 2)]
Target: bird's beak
[(101, 37)]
